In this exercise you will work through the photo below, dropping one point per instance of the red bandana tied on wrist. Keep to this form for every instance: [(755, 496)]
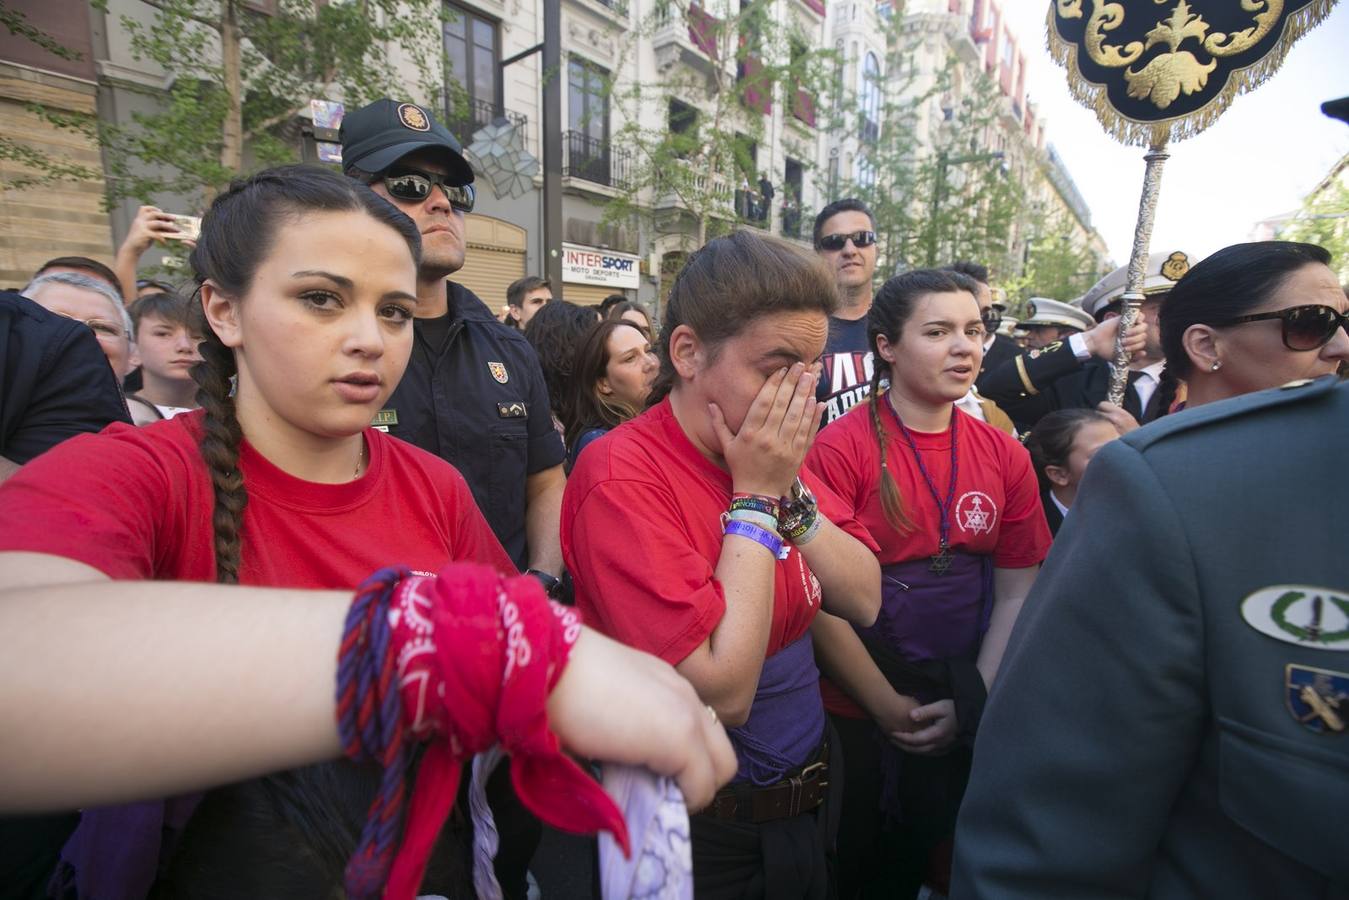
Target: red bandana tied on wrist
[(464, 660)]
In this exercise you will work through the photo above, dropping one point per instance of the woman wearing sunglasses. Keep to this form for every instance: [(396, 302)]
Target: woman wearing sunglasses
[(1255, 316)]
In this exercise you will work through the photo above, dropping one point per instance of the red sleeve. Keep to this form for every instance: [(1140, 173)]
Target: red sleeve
[(639, 577), (1024, 538), (96, 499), (473, 537), (838, 508)]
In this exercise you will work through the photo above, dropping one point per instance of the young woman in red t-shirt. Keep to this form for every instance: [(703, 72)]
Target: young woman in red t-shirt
[(308, 291), (952, 503), (683, 541)]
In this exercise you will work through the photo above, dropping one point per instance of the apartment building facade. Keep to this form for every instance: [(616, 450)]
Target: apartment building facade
[(612, 52)]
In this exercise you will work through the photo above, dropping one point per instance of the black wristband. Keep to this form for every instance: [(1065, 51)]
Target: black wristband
[(552, 585)]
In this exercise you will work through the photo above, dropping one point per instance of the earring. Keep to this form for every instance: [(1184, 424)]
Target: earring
[(1217, 364)]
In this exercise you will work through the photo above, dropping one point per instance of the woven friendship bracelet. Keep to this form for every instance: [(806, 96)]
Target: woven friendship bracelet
[(763, 520), (755, 503)]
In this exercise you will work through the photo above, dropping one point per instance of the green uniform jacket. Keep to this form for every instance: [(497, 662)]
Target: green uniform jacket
[(1139, 739)]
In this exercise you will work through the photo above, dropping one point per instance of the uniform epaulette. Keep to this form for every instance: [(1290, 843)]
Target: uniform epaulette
[(1298, 391)]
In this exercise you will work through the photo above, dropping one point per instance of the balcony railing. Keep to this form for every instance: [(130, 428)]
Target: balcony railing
[(596, 161), (465, 117)]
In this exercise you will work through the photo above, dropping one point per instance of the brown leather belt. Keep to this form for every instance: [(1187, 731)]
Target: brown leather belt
[(791, 796)]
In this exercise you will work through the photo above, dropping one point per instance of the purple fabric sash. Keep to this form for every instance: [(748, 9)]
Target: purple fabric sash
[(928, 616), (786, 723), (115, 852)]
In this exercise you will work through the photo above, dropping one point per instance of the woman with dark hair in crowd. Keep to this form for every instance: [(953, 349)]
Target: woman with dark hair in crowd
[(614, 371), (1060, 446), (308, 286), (555, 333), (630, 312), (953, 505), (1255, 316), (695, 532)]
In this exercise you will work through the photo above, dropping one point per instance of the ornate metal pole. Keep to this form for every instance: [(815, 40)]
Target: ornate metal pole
[(1138, 263)]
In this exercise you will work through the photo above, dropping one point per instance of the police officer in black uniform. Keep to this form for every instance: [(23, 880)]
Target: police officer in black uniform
[(1171, 719), (473, 393), (1075, 372)]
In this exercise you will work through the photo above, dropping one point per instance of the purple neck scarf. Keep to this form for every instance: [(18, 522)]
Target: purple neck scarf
[(115, 852)]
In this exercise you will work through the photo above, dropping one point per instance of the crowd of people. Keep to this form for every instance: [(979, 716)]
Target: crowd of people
[(284, 550)]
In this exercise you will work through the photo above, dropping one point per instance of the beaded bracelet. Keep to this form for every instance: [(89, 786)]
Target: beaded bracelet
[(761, 536), (763, 520), (756, 502)]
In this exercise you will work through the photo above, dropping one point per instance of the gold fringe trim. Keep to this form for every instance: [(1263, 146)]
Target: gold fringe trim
[(1155, 134)]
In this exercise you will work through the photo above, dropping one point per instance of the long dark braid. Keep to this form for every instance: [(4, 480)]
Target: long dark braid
[(220, 448), (891, 308), (237, 233)]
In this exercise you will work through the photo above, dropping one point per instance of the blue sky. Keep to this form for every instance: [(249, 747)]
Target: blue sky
[(1269, 149)]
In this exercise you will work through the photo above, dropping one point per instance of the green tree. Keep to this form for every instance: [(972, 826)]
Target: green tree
[(1056, 267), (1324, 220), (236, 75), (40, 168), (695, 132)]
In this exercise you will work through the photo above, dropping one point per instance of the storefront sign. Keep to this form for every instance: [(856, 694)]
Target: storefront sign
[(590, 265)]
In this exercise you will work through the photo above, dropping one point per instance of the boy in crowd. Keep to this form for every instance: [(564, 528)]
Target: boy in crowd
[(167, 350)]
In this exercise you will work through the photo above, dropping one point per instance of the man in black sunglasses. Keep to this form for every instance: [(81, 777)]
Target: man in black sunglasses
[(473, 393), (845, 237)]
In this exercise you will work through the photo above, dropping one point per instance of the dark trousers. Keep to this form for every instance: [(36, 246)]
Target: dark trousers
[(785, 859), (877, 856)]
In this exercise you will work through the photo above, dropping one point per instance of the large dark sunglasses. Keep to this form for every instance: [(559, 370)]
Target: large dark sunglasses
[(860, 239), (1304, 327), (992, 319), (414, 186)]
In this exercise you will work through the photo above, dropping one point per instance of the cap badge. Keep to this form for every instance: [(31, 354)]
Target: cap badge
[(1317, 698), (498, 371), (1313, 617), (1176, 265), (412, 117)]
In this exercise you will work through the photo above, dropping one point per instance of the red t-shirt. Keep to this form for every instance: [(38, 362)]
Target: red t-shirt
[(135, 503), (997, 510), (642, 533)]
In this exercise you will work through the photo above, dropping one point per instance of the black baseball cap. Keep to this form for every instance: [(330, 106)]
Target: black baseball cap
[(375, 137)]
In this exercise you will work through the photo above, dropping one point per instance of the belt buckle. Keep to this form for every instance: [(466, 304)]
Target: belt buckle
[(813, 767), (794, 804)]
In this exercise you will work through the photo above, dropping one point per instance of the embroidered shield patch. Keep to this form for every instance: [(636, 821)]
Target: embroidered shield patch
[(1317, 698), (499, 372), (413, 117)]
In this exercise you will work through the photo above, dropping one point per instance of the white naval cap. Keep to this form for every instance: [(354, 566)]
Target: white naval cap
[(1165, 268), (1044, 311)]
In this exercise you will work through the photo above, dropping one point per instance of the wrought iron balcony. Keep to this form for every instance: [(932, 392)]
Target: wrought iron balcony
[(596, 161), (464, 117)]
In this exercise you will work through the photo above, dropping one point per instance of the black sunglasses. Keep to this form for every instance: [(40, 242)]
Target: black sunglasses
[(414, 186), (1307, 327), (992, 319), (859, 240)]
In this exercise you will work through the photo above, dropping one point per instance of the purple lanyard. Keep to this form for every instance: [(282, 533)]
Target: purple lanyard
[(941, 560)]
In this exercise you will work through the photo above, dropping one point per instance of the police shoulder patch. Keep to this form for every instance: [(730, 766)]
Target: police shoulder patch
[(1299, 614)]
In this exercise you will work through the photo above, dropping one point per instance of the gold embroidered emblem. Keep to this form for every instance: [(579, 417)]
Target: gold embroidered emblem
[(1176, 265), (413, 117)]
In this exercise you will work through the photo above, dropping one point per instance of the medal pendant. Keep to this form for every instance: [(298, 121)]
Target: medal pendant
[(941, 560)]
